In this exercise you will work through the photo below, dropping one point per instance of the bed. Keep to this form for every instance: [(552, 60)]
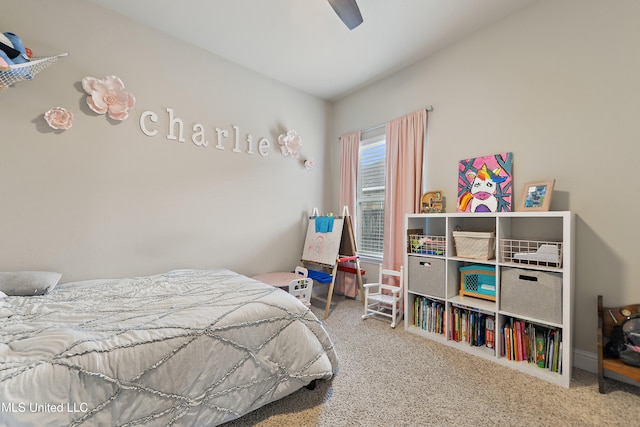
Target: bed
[(184, 348)]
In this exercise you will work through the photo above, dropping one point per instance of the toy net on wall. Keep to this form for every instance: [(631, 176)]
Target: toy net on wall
[(26, 71)]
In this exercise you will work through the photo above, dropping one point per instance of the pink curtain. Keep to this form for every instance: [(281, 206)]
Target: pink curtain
[(350, 147), (405, 151), (349, 152)]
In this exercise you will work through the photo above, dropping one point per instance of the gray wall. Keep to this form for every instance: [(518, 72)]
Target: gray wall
[(557, 84), (102, 199)]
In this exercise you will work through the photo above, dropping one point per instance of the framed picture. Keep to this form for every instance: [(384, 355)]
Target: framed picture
[(485, 183), (536, 196)]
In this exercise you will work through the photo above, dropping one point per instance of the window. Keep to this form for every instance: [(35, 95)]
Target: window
[(370, 197)]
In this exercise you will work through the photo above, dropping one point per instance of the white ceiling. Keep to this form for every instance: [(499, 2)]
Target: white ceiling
[(303, 42)]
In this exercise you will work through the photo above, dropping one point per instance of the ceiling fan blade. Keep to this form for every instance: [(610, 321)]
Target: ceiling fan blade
[(348, 11)]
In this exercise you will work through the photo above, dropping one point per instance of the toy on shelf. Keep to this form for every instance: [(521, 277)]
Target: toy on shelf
[(432, 202), (545, 254), (531, 252), (427, 245), (478, 281)]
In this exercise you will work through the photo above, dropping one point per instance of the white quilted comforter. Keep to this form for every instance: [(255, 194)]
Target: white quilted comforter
[(185, 348)]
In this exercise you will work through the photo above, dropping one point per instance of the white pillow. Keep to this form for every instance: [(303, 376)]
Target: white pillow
[(28, 283), (2, 295)]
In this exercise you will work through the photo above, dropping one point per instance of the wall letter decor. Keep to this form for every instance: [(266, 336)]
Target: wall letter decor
[(172, 124), (175, 132), (153, 117)]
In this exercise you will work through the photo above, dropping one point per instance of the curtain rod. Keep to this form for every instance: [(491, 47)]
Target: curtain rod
[(429, 109)]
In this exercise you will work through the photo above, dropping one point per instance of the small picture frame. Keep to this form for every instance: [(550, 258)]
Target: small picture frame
[(536, 196)]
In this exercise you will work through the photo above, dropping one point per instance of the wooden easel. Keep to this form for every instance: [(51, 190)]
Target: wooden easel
[(334, 252)]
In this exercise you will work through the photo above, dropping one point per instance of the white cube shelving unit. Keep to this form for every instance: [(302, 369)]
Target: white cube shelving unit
[(543, 299)]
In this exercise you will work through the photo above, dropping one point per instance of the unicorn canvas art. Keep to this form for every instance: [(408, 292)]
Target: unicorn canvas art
[(485, 183)]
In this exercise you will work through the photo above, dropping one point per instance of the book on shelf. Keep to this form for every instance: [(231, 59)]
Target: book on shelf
[(540, 349), (490, 332), (531, 335), (515, 339), (560, 358), (428, 314), (508, 341), (536, 344), (471, 326), (463, 326)]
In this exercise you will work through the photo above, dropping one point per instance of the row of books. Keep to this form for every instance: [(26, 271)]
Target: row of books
[(429, 315), (473, 327), (519, 340), (534, 343)]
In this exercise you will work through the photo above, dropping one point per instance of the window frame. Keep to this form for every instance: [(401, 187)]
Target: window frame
[(365, 251)]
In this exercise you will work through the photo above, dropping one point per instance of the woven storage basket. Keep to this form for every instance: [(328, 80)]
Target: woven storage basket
[(475, 245)]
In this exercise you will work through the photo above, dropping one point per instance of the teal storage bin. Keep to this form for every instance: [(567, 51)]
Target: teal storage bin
[(478, 281)]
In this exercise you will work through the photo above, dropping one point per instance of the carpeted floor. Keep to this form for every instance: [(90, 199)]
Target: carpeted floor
[(390, 377)]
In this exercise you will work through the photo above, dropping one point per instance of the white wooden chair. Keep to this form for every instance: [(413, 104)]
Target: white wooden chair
[(301, 271), (384, 299), (298, 283), (301, 289)]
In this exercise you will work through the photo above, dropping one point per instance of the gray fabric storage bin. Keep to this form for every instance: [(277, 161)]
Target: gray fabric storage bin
[(426, 276), (532, 293)]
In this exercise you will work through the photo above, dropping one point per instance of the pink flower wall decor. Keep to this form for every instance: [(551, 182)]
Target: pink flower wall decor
[(59, 118), (108, 96), (309, 164), (290, 144)]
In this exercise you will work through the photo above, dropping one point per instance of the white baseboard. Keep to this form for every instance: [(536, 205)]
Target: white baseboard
[(589, 362), (585, 360)]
